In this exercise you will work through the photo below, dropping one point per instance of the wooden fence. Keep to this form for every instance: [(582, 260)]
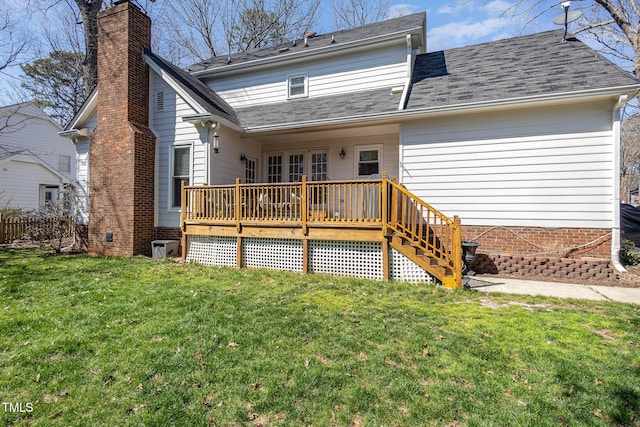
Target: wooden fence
[(18, 228)]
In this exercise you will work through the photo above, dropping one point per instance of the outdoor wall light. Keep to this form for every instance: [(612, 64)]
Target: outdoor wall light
[(243, 158), (215, 142), (342, 154)]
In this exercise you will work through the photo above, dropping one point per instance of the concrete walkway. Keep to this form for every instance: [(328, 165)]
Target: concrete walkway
[(554, 289)]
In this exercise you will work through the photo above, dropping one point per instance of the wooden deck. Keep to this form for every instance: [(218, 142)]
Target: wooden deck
[(371, 210)]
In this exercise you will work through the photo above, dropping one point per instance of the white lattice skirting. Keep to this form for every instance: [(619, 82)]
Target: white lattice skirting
[(355, 259)]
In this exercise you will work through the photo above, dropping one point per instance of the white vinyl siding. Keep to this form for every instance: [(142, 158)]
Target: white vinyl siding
[(82, 177), (171, 131), (382, 67), (22, 183), (548, 167), (29, 130), (332, 142)]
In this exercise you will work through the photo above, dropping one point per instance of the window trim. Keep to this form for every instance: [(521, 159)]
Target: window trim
[(327, 163), (254, 170), (267, 166), (370, 147), (173, 147), (305, 86), (301, 165)]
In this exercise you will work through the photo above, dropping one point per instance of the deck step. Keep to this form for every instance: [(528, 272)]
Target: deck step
[(422, 259)]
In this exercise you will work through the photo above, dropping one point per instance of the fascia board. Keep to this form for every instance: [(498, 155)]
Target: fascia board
[(87, 109)]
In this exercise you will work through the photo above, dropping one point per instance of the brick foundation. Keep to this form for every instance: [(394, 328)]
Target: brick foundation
[(122, 149), (540, 241), (168, 233)]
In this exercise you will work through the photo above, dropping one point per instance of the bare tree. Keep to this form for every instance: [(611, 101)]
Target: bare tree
[(12, 43), (89, 11), (355, 13), (210, 28), (615, 24), (630, 155), (196, 28), (12, 119)]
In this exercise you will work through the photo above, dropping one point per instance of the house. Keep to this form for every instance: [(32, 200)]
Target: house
[(35, 162), (285, 156)]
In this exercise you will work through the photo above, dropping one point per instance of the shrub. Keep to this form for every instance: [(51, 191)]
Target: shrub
[(52, 223), (629, 254)]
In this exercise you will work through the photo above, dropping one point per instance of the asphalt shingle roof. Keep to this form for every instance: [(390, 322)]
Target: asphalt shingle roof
[(537, 64), (390, 26), (324, 108)]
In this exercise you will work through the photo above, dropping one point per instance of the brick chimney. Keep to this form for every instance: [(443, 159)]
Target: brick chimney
[(122, 148)]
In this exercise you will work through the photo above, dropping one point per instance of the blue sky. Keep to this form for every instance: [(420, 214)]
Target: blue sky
[(449, 24), (466, 22)]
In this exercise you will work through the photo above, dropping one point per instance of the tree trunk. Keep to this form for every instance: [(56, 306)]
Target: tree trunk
[(89, 12)]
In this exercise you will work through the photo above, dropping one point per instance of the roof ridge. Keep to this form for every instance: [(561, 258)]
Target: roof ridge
[(388, 26)]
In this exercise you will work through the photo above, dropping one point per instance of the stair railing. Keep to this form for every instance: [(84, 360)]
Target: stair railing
[(425, 227)]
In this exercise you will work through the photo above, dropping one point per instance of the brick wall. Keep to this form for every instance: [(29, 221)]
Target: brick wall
[(122, 149), (540, 241)]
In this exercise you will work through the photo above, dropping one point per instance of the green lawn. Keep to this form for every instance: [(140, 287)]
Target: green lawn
[(112, 342)]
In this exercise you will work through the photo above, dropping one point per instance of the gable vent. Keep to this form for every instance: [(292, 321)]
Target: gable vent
[(159, 101)]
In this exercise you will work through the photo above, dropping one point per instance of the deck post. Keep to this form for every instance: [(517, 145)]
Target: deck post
[(183, 216), (385, 260), (303, 205), (394, 204), (305, 256), (238, 206), (384, 209), (456, 250), (239, 252)]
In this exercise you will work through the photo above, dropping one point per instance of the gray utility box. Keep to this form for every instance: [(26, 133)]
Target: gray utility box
[(164, 248)]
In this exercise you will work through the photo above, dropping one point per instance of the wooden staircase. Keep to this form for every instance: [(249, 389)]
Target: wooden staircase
[(423, 234)]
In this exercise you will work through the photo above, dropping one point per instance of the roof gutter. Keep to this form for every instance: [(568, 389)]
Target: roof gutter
[(428, 111), (75, 134)]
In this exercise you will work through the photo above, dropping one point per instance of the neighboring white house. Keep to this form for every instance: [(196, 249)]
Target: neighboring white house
[(35, 162), (518, 137)]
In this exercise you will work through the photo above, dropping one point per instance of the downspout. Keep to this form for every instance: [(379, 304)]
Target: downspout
[(411, 58), (615, 227)]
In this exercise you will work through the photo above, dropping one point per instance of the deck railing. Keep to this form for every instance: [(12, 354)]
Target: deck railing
[(427, 228), (368, 203), (354, 202)]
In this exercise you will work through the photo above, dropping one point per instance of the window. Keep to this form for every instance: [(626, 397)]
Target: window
[(48, 194), (319, 166), (250, 171), (274, 168), (368, 161), (181, 173), (298, 86), (64, 163), (160, 101), (296, 167)]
